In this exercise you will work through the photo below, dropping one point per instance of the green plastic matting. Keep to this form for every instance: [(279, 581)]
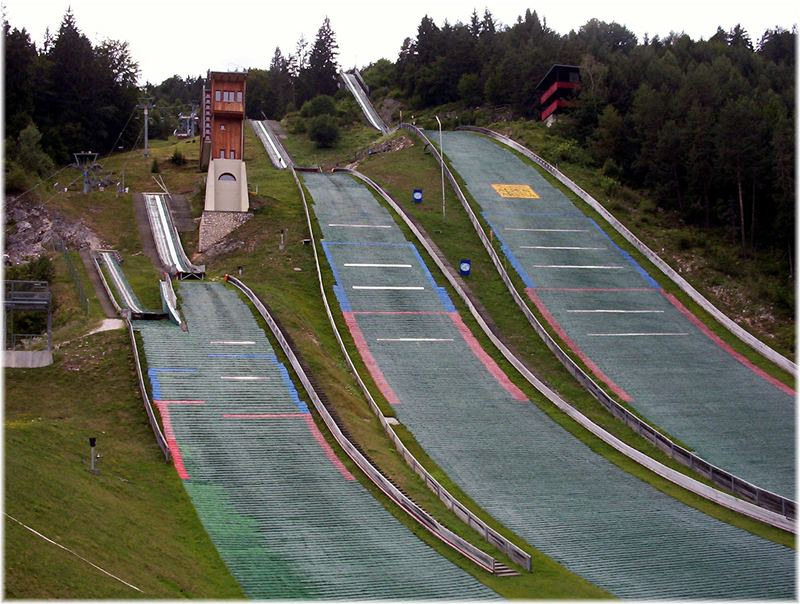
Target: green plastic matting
[(644, 345), (287, 517), (510, 457)]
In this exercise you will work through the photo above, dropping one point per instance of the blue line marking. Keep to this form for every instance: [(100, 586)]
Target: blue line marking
[(341, 296), (292, 390), (440, 291), (244, 355), (155, 383), (639, 269), (338, 290), (526, 279), (365, 244)]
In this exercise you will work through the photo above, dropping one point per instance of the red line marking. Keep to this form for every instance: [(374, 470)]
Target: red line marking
[(326, 448), (369, 360), (263, 415), (487, 361), (726, 347), (595, 289), (172, 443), (574, 347), (399, 312)]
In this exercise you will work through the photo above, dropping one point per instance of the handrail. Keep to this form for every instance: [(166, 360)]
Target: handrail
[(515, 553), (766, 504), (674, 276), (148, 407), (478, 556)]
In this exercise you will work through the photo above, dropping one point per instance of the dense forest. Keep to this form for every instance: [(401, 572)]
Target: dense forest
[(706, 127)]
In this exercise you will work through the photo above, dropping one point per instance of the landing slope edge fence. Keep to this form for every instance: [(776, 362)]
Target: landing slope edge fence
[(478, 556), (161, 441), (746, 337), (748, 499), (514, 552)]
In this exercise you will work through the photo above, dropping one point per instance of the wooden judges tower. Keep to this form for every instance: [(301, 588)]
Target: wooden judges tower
[(221, 152)]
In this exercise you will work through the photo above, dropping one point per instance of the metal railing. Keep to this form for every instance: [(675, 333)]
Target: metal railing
[(514, 552), (683, 284), (161, 441), (427, 521), (748, 499)]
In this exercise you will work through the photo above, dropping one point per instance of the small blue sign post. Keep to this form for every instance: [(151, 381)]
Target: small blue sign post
[(417, 196), (464, 267)]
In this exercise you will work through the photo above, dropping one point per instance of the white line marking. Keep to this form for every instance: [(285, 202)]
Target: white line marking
[(557, 247), (363, 226), (369, 265), (548, 230), (598, 266), (618, 311), (414, 339), (234, 342), (625, 335), (66, 549), (244, 378), (400, 287)]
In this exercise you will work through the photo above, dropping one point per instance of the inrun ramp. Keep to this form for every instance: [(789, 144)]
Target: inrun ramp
[(353, 84), (124, 298), (168, 242), (505, 453), (285, 514), (638, 339)]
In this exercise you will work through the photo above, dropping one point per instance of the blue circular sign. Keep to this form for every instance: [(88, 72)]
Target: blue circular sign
[(417, 195)]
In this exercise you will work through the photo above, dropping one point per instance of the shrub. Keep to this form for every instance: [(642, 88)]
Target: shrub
[(324, 131), (178, 158), (319, 105), (16, 178), (154, 166), (295, 124)]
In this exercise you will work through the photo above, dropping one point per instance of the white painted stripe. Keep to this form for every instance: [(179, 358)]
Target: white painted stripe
[(369, 265), (558, 247), (548, 230), (363, 226), (627, 335), (414, 339), (609, 310), (400, 287), (244, 378), (234, 342), (597, 266)]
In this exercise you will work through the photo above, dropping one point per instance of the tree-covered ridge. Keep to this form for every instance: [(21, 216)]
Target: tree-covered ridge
[(707, 126), (78, 95)]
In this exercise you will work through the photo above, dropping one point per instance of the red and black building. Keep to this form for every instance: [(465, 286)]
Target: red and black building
[(557, 89)]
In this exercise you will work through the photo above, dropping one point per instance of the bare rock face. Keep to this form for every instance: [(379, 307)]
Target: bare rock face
[(31, 227)]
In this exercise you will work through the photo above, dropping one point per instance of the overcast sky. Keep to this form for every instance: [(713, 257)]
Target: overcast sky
[(188, 37)]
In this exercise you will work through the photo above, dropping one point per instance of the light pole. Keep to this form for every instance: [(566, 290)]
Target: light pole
[(441, 155)]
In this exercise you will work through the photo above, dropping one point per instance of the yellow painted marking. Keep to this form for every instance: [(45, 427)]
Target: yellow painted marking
[(515, 191)]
